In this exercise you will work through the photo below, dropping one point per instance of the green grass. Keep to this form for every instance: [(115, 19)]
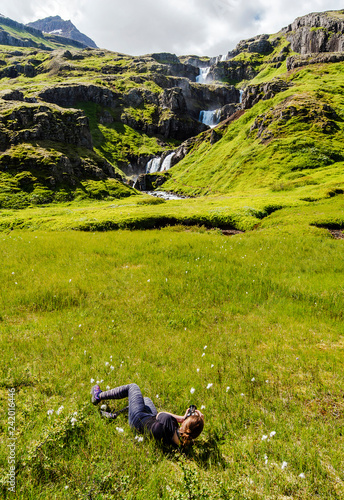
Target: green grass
[(267, 304)]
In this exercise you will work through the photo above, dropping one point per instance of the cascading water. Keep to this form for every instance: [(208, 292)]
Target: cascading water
[(157, 165), (153, 165), (240, 97), (203, 75), (166, 164), (210, 118)]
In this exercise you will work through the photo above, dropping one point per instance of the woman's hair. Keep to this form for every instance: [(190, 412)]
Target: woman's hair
[(191, 428)]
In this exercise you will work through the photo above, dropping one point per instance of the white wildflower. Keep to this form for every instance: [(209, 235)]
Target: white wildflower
[(92, 380), (73, 420), (209, 385), (205, 347), (302, 476), (212, 366), (59, 410), (203, 354), (50, 412), (139, 439), (79, 326), (66, 487), (107, 363), (197, 370), (264, 437), (227, 388), (119, 429), (112, 367), (242, 394), (107, 387), (157, 396), (284, 465), (192, 390), (272, 433), (203, 407), (103, 407), (253, 379), (85, 353)]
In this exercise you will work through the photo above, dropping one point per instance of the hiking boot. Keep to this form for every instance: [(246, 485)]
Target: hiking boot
[(95, 391)]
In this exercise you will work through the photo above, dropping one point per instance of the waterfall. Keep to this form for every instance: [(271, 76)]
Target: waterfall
[(224, 58), (153, 165), (203, 74), (166, 164), (210, 118), (240, 97), (156, 165)]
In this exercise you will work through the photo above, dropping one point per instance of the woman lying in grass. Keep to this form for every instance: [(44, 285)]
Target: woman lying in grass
[(143, 416)]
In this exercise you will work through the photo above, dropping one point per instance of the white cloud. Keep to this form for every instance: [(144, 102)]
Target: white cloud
[(204, 27)]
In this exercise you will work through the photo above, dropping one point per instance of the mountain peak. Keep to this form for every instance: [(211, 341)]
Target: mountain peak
[(55, 25)]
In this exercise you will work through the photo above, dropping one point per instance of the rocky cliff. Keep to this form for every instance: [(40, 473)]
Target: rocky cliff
[(317, 32)]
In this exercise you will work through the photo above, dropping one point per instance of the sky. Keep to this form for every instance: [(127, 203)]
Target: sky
[(182, 27)]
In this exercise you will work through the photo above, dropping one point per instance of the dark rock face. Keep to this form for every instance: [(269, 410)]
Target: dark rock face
[(176, 125), (318, 32), (204, 96), (259, 44), (27, 123), (68, 95), (254, 93), (229, 110), (165, 58), (58, 26), (322, 58), (174, 100)]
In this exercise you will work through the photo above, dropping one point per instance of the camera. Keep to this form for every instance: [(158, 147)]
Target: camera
[(191, 410)]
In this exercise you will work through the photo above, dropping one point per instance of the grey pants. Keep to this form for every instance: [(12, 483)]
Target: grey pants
[(140, 408)]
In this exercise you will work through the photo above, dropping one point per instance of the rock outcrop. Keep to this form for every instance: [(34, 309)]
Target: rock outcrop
[(24, 122), (68, 95), (259, 44), (263, 91), (321, 58), (317, 32)]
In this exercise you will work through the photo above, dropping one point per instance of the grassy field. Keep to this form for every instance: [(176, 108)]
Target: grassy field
[(253, 322)]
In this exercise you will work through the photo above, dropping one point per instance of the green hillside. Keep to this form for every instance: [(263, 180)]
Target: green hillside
[(292, 142)]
